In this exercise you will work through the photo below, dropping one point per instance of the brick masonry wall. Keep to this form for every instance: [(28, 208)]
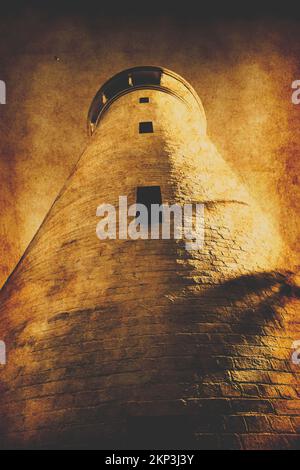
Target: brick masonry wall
[(143, 343)]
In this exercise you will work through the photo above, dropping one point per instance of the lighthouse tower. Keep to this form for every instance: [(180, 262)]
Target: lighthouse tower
[(123, 343)]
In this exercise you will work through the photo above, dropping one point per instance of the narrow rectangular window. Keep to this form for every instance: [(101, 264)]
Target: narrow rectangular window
[(149, 195), (144, 100), (145, 127)]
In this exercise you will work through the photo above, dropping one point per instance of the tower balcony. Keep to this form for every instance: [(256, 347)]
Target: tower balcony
[(144, 77)]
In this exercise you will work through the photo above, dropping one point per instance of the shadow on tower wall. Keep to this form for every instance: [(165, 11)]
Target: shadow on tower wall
[(244, 372)]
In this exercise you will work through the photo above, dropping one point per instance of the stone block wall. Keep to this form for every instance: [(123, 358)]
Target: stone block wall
[(128, 343)]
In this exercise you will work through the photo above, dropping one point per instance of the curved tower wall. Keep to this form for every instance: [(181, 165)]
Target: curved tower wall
[(142, 342)]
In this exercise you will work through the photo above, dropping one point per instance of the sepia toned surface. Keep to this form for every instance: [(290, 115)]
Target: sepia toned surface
[(241, 69), (128, 343)]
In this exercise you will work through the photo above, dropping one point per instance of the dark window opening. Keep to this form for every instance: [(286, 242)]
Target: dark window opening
[(149, 195), (146, 77), (117, 85), (145, 127), (144, 100)]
